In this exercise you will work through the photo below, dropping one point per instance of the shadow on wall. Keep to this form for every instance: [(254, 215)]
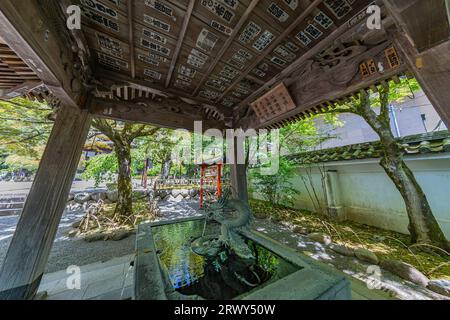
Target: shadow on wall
[(362, 192)]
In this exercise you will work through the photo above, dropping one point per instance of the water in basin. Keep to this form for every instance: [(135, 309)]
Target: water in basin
[(219, 278)]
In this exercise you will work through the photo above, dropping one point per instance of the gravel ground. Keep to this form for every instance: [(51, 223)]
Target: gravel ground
[(68, 251)]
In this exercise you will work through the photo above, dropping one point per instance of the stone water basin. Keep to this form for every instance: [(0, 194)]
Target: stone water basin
[(167, 268)]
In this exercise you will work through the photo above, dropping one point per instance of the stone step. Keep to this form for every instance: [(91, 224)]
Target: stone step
[(11, 205), (9, 212)]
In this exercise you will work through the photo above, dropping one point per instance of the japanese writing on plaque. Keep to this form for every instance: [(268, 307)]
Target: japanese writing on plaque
[(274, 103)]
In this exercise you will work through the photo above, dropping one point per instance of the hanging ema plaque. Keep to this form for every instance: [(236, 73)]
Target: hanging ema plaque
[(274, 103)]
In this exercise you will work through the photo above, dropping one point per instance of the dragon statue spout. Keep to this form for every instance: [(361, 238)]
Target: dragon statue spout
[(233, 215)]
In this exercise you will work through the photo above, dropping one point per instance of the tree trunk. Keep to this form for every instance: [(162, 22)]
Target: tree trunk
[(423, 226), (165, 168), (124, 206)]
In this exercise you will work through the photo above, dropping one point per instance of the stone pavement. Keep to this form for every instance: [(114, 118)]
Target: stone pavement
[(110, 280)]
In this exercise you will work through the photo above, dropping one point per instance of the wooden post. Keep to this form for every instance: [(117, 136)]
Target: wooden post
[(424, 41), (28, 252), (432, 71), (219, 180), (202, 174), (239, 173)]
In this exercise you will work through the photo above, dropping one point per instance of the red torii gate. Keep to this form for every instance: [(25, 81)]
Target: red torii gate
[(217, 167)]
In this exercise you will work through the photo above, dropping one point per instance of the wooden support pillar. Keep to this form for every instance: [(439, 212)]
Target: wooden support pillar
[(432, 70), (239, 172), (424, 41), (28, 252)]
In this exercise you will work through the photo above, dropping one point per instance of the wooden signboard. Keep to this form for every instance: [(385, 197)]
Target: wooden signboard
[(274, 103)]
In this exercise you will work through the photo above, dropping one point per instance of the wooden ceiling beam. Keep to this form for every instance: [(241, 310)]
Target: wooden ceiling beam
[(180, 41), (130, 6), (110, 78), (32, 33), (333, 91), (164, 112), (227, 44), (302, 17)]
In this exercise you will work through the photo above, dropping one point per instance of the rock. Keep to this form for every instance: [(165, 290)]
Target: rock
[(343, 250), (366, 256), (185, 193), (112, 195), (320, 237), (82, 198), (301, 230), (76, 224), (98, 196), (179, 198), (176, 192), (100, 236), (71, 197), (405, 271), (120, 235), (440, 286)]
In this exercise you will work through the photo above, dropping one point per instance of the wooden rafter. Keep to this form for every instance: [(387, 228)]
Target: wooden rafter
[(130, 6), (176, 53), (336, 34), (274, 44), (111, 78), (23, 25), (227, 44)]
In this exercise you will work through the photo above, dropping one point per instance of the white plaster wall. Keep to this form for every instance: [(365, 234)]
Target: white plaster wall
[(368, 196)]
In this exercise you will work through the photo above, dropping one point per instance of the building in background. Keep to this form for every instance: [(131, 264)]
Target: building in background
[(414, 116)]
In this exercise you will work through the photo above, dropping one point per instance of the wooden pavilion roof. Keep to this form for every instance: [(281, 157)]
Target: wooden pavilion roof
[(13, 70), (249, 63)]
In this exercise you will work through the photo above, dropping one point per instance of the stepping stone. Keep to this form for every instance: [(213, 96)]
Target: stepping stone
[(302, 230), (320, 237), (343, 250), (366, 256), (440, 286), (405, 271)]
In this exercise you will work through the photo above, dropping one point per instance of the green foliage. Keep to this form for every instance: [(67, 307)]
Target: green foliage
[(276, 188), (101, 168), (294, 138), (398, 92), (159, 146), (24, 131)]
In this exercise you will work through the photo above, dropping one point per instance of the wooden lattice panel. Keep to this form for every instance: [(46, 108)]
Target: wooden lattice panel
[(274, 103), (205, 49)]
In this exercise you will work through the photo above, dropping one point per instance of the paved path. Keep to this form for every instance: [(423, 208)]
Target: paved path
[(24, 187)]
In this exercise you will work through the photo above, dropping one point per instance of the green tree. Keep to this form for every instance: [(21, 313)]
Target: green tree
[(294, 138), (423, 226), (24, 130), (100, 168), (122, 136), (159, 148)]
